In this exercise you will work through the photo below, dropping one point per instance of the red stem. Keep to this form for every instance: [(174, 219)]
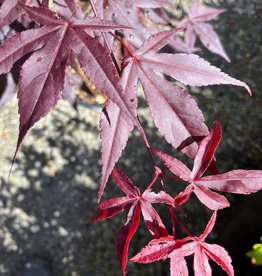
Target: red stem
[(122, 43), (144, 137), (182, 225), (171, 209), (172, 213), (153, 181), (171, 177)]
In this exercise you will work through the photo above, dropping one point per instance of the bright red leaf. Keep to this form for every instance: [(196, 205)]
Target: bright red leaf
[(177, 250), (125, 235), (136, 202), (237, 181)]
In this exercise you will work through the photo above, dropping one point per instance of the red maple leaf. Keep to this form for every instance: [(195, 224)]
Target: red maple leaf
[(196, 26), (11, 10), (177, 250), (135, 201), (237, 181), (128, 13), (114, 132), (166, 100), (186, 45), (186, 125), (42, 75)]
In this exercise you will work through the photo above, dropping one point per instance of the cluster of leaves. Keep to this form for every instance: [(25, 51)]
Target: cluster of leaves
[(116, 43)]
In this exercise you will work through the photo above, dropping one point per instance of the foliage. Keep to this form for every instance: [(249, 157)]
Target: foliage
[(256, 254), (117, 44)]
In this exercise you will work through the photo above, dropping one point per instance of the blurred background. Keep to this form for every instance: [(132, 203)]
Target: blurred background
[(53, 186)]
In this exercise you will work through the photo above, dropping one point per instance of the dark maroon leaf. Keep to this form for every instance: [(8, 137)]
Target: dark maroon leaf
[(125, 235), (186, 121), (124, 12), (21, 44), (45, 79), (43, 16), (88, 51), (9, 12), (42, 75)]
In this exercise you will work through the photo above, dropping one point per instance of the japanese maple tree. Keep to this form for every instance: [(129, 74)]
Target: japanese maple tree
[(117, 44)]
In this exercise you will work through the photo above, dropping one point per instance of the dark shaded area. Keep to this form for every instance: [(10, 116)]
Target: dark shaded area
[(240, 28)]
